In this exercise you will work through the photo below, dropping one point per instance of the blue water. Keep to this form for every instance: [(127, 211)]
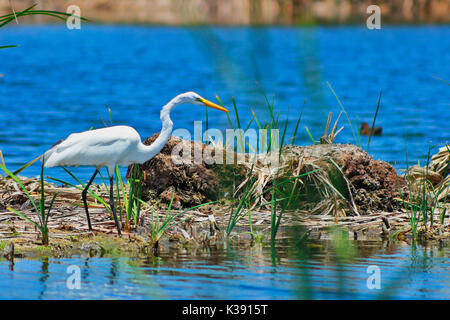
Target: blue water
[(61, 81), (255, 273)]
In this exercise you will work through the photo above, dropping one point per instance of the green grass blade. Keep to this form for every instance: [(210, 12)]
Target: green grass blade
[(294, 136), (25, 166), (10, 46), (15, 178), (310, 135), (373, 122), (24, 217), (345, 112)]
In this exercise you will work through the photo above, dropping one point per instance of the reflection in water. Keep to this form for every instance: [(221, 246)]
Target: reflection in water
[(293, 269), (43, 278), (113, 270)]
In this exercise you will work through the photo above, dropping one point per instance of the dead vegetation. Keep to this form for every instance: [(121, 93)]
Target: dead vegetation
[(436, 174)]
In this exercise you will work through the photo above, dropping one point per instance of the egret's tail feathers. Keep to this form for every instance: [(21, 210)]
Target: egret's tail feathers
[(49, 156)]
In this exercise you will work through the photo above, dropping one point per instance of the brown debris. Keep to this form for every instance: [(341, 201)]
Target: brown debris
[(371, 185)]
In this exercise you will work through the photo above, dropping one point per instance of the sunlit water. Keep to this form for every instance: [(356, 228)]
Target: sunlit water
[(258, 273), (61, 81)]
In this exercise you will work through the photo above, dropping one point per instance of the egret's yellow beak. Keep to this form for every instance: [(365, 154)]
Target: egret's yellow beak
[(212, 105)]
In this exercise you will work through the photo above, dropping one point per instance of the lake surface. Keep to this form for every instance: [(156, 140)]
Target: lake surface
[(234, 273), (61, 81)]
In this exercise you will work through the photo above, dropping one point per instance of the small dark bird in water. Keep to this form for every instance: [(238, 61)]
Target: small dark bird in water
[(365, 130)]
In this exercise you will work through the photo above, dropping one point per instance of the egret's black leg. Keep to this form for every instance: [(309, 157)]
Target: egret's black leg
[(111, 202), (84, 194)]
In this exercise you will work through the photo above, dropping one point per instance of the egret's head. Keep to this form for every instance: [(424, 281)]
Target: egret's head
[(194, 98)]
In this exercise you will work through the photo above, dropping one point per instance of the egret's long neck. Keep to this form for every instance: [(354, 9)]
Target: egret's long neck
[(144, 152)]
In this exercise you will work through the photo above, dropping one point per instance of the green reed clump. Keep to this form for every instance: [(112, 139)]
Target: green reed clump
[(39, 206), (133, 200), (283, 191)]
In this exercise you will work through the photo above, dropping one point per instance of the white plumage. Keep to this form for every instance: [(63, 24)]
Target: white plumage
[(99, 148), (118, 145)]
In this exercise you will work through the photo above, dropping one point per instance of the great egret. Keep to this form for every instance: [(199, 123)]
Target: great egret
[(117, 145)]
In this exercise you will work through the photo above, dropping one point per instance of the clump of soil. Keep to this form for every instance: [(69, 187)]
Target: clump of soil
[(370, 184), (375, 183), (189, 184)]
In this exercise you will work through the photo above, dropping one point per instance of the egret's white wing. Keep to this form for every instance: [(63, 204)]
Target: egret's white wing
[(101, 147)]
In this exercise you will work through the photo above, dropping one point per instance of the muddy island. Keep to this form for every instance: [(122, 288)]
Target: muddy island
[(205, 204)]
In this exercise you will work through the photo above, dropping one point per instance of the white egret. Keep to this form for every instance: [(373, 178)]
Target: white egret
[(117, 145)]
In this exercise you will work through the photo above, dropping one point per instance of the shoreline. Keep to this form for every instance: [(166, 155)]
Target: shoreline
[(105, 242), (387, 25), (242, 12)]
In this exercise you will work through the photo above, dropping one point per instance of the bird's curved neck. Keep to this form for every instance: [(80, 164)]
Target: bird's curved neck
[(144, 152)]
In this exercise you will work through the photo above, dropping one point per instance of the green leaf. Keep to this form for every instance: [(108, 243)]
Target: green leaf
[(10, 46), (24, 217), (21, 185)]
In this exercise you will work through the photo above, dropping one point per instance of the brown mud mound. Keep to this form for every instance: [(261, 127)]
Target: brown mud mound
[(344, 176), (189, 183), (373, 183)]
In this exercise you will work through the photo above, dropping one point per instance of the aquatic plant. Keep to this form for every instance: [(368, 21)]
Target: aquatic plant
[(257, 237), (261, 180), (295, 187), (327, 138), (356, 137), (39, 207), (428, 190), (133, 200)]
